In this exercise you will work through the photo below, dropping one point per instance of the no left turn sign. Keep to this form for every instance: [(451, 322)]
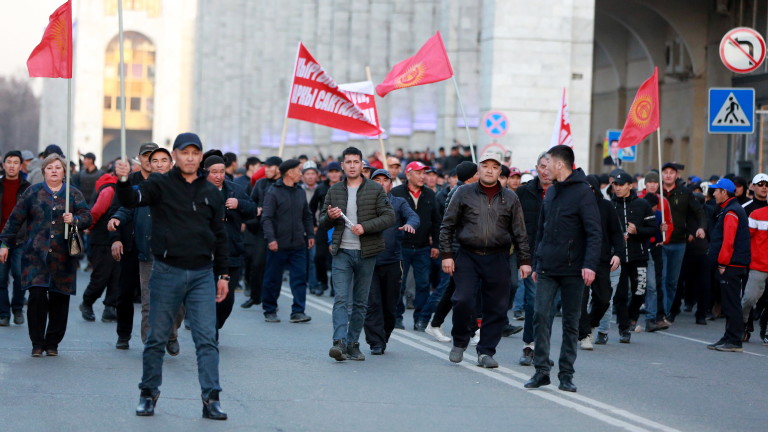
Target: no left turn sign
[(742, 50)]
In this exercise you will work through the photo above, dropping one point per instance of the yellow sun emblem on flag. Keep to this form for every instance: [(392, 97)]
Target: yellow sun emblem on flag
[(60, 36), (641, 111), (411, 77)]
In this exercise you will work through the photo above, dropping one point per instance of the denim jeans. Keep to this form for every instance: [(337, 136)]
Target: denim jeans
[(350, 271), (672, 256), (311, 268), (434, 298), (650, 292), (515, 274), (519, 299), (605, 323), (571, 289), (420, 261), (11, 266), (296, 261), (528, 288), (169, 288)]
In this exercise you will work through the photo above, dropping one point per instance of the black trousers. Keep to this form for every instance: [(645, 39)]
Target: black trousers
[(258, 262), (695, 274), (250, 242), (601, 300), (105, 275), (490, 275), (658, 263), (382, 304), (47, 314), (632, 283), (730, 283), (129, 280), (322, 257), (224, 307), (445, 305)]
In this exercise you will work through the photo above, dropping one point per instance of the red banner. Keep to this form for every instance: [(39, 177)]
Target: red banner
[(52, 57), (643, 117), (429, 65), (316, 98), (562, 132)]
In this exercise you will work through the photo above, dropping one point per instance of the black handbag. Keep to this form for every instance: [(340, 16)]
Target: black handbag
[(76, 249)]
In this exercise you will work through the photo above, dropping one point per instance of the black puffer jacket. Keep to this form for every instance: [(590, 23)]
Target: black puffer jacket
[(286, 218), (531, 196), (568, 235), (374, 213), (480, 225), (682, 202), (637, 211), (613, 235), (429, 215)]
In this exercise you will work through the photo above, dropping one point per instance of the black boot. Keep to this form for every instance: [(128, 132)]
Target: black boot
[(212, 407), (147, 402)]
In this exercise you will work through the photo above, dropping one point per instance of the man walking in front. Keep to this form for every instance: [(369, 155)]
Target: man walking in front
[(358, 211), (289, 232), (487, 220), (729, 255), (189, 241), (12, 185), (566, 258)]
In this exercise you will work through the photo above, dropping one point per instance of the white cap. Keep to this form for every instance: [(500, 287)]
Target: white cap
[(308, 165), (526, 177), (490, 155), (761, 177)]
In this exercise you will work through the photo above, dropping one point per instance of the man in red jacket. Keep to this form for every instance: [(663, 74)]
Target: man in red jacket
[(758, 268)]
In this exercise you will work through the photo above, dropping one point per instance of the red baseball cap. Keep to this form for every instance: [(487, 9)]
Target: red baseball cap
[(415, 166)]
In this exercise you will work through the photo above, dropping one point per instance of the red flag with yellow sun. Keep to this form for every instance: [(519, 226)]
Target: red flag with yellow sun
[(429, 65), (643, 117), (53, 56)]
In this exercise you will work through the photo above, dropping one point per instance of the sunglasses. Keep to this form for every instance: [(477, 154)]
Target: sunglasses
[(762, 184)]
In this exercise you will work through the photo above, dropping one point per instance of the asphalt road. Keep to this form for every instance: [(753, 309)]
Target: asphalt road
[(278, 377)]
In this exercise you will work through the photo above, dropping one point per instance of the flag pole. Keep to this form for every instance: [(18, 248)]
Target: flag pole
[(288, 105), (381, 140), (661, 185), (122, 83), (466, 125), (67, 174), (282, 137)]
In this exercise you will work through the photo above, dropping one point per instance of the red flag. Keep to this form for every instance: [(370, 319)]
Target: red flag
[(52, 58), (562, 132), (643, 117), (316, 98), (429, 65)]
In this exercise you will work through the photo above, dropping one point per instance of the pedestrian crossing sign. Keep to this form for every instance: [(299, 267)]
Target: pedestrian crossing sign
[(731, 111)]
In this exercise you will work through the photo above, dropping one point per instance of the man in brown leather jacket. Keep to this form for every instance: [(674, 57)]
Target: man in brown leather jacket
[(486, 219)]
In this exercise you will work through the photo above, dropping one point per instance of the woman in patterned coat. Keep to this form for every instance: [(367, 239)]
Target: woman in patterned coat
[(47, 270)]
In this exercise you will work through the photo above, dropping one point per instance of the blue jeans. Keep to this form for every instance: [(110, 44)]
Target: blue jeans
[(434, 298), (672, 257), (528, 288), (11, 266), (650, 292), (350, 271), (419, 259), (519, 300), (296, 260), (169, 288), (311, 270)]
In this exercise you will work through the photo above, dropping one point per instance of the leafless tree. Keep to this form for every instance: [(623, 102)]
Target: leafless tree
[(19, 115)]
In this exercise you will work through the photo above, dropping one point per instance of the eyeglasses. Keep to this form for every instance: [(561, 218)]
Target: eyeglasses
[(762, 184)]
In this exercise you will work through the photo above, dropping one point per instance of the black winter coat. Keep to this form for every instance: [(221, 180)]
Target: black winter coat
[(568, 234), (682, 202), (531, 196), (637, 211), (285, 217), (428, 210)]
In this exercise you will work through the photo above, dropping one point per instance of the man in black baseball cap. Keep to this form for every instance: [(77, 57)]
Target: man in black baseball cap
[(186, 139)]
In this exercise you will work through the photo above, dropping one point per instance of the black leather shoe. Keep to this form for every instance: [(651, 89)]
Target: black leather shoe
[(566, 384), (147, 404), (212, 407), (538, 379), (123, 343), (377, 350), (248, 303), (510, 329), (87, 312), (172, 347)]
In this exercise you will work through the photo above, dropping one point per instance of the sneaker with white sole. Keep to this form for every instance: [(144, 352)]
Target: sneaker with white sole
[(437, 333), (586, 343), (476, 338)]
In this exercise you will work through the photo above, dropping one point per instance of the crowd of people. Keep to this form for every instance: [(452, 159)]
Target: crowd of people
[(181, 230)]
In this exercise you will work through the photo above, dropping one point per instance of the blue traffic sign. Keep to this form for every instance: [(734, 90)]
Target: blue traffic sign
[(731, 111), (495, 124)]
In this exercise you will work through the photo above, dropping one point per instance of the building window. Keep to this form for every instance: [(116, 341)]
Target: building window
[(139, 53), (107, 102), (135, 104)]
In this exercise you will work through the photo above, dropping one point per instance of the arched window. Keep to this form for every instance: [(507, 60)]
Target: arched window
[(139, 55)]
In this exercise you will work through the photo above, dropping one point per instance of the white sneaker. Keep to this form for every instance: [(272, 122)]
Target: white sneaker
[(437, 333), (586, 343), (476, 338)]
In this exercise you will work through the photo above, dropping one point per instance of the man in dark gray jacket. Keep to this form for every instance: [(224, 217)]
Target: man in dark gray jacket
[(487, 220), (358, 211), (289, 232)]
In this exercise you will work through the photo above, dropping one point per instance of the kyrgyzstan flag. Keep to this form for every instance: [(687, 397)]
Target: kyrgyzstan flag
[(316, 98), (429, 65), (52, 58), (643, 117)]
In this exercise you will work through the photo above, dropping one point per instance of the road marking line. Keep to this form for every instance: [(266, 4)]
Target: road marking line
[(703, 342), (561, 398)]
